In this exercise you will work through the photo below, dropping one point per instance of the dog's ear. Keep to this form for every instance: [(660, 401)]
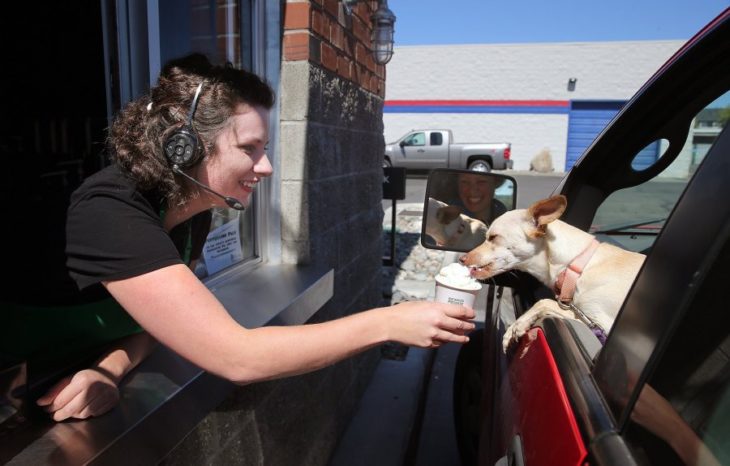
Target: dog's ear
[(447, 214), (546, 211)]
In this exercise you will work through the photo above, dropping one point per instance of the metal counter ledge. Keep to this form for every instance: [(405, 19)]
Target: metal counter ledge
[(165, 397)]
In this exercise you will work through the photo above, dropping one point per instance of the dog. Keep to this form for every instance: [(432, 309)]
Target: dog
[(591, 279), (449, 227)]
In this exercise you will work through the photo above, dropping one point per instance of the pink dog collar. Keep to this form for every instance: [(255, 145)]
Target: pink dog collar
[(567, 279)]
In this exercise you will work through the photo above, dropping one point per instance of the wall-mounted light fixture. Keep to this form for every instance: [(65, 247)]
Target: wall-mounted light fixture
[(383, 28), (571, 84)]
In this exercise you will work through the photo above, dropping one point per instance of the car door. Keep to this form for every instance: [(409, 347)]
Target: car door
[(664, 366), (436, 151), (413, 151)]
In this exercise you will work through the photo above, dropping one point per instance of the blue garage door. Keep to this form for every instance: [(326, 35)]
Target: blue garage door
[(586, 121)]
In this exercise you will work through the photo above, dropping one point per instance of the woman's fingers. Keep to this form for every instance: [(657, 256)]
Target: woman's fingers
[(429, 324), (456, 311), (87, 393), (69, 409), (53, 392), (449, 337), (69, 393), (457, 325)]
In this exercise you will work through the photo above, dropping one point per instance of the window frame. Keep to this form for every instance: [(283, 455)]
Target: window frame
[(138, 29)]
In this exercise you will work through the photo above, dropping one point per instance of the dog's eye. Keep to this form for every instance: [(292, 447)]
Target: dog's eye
[(492, 237)]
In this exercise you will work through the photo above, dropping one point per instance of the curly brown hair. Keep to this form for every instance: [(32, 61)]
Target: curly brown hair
[(138, 132)]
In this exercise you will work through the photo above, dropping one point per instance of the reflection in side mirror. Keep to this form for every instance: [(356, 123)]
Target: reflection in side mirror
[(461, 204)]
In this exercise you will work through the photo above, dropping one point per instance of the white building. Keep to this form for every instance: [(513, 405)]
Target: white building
[(554, 96)]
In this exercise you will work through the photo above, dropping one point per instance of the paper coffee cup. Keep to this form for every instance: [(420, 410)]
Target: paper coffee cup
[(450, 295)]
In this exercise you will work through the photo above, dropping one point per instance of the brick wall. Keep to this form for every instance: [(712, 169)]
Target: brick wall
[(320, 32), (331, 141)]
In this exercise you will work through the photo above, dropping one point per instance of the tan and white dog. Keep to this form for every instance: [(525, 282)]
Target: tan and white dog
[(591, 279), (449, 227)]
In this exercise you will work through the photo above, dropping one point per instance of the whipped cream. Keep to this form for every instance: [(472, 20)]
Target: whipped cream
[(457, 276)]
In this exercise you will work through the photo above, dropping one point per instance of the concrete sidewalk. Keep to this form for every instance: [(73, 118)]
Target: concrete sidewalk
[(384, 429)]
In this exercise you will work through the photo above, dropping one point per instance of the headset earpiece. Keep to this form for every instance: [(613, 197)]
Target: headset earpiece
[(181, 147)]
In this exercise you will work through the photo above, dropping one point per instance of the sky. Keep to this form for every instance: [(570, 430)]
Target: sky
[(430, 22)]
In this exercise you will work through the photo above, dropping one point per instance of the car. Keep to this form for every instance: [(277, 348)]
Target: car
[(435, 148), (658, 391)]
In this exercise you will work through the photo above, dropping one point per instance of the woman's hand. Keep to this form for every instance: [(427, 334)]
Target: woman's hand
[(429, 324), (87, 393), (93, 391)]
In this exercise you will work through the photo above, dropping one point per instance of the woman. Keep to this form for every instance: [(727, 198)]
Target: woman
[(132, 227), (476, 196)]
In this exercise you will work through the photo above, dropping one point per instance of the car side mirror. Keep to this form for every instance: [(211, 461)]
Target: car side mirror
[(402, 143), (461, 204)]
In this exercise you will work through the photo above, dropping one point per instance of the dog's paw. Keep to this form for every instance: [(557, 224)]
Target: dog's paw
[(515, 331)]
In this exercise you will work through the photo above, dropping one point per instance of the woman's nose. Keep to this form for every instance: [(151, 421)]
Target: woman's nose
[(263, 166)]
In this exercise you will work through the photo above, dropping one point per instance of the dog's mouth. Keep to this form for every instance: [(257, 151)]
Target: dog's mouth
[(480, 271)]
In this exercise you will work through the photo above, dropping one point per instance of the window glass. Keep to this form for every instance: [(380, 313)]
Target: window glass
[(682, 415), (221, 31), (416, 139), (437, 139), (634, 216)]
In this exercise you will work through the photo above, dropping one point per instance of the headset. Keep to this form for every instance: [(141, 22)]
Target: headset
[(181, 147), (182, 151)]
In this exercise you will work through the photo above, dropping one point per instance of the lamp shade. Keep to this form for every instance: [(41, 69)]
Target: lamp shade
[(382, 39)]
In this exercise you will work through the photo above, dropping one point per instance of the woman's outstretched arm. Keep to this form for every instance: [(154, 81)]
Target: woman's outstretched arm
[(180, 312)]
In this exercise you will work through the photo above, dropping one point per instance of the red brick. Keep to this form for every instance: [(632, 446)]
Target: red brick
[(381, 88), (332, 7), (344, 67), (364, 11), (320, 24), (296, 15), (360, 31), (364, 77), (328, 57), (370, 61), (296, 46), (360, 53), (337, 35), (347, 46)]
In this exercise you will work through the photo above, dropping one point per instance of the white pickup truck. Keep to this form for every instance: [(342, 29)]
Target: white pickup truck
[(425, 149)]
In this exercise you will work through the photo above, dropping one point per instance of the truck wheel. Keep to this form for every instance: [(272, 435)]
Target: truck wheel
[(386, 162), (480, 166)]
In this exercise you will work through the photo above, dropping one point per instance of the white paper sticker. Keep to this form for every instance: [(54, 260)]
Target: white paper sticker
[(223, 247)]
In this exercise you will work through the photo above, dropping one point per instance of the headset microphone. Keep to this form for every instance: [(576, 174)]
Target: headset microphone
[(231, 202)]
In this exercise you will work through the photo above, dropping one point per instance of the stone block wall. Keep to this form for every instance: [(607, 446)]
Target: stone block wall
[(331, 149)]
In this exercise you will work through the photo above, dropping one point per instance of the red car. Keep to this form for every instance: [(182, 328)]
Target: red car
[(658, 391)]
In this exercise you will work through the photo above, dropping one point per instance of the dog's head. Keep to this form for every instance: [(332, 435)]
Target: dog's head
[(514, 237), (449, 227)]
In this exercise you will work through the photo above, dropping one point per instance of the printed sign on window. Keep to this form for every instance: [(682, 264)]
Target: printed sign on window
[(223, 247)]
